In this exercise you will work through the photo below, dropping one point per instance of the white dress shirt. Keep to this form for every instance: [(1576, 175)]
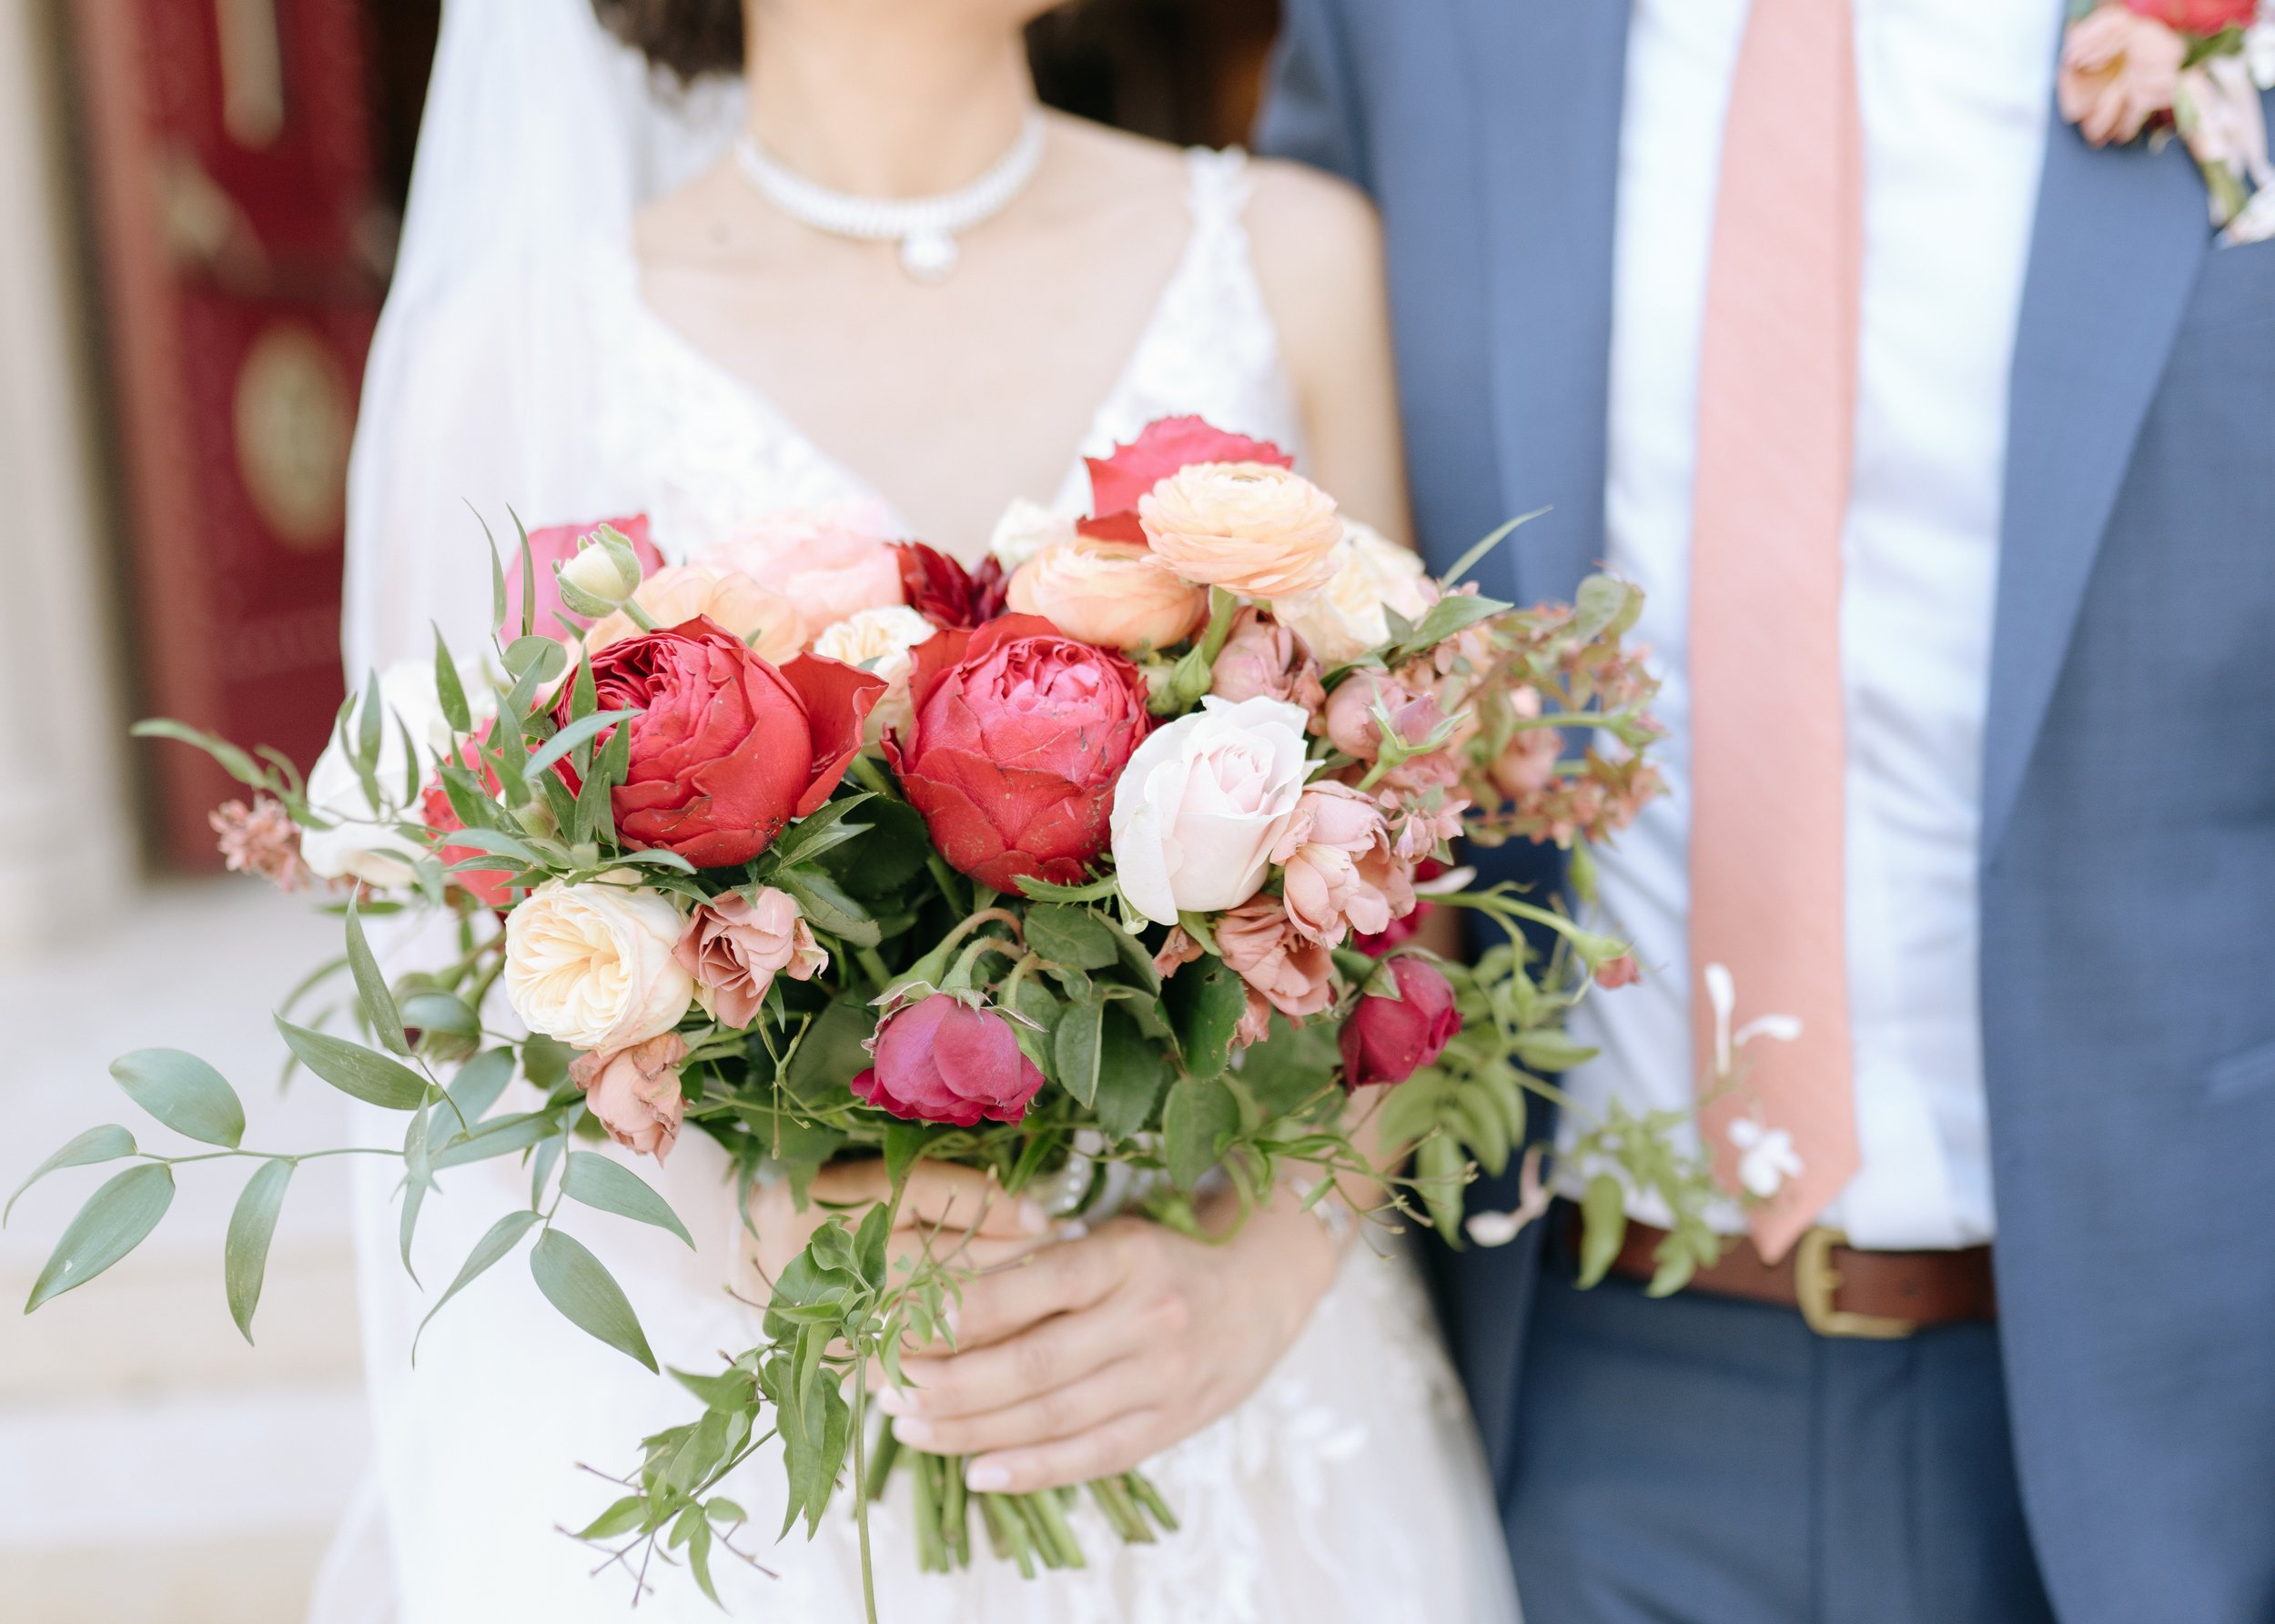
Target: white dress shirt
[(1955, 97)]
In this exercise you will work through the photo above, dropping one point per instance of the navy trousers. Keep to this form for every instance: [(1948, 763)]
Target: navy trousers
[(1698, 1460)]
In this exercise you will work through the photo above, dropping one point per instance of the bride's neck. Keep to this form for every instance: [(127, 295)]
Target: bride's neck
[(883, 111)]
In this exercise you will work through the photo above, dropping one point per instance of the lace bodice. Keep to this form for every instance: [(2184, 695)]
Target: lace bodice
[(709, 452)]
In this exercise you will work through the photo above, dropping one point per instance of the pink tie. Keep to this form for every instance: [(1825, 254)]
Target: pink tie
[(1777, 421)]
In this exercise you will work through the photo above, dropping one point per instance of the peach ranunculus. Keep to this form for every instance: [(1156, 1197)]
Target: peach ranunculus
[(1116, 594), (1261, 659), (1339, 873), (2119, 70), (634, 1093), (881, 642), (1347, 617), (831, 562), (735, 946), (768, 621), (1260, 942), (1248, 527)]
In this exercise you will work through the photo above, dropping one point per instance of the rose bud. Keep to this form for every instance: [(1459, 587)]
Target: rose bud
[(1018, 736), (1263, 659), (604, 573), (942, 1061), (553, 548), (634, 1093), (1247, 527), (1621, 971), (1118, 483), (728, 749), (1116, 594), (1388, 1040)]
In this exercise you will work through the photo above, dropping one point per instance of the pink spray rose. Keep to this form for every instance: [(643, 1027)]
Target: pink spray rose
[(1339, 873), (1388, 1040), (940, 1060), (2119, 71), (736, 946), (634, 1093), (1259, 941), (1264, 659)]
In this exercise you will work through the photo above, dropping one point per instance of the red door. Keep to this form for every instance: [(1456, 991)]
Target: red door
[(235, 228)]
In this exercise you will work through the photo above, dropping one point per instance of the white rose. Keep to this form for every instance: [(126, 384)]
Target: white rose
[(360, 845), (593, 964), (1025, 530), (1202, 803), (1345, 619), (879, 640)]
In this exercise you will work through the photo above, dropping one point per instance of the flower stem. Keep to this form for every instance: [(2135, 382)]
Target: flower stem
[(861, 1492)]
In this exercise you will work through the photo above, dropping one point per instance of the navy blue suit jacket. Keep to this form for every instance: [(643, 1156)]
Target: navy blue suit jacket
[(2128, 860)]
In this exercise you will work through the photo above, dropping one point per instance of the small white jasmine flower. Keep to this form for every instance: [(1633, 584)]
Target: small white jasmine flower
[(1767, 1157), (1722, 993)]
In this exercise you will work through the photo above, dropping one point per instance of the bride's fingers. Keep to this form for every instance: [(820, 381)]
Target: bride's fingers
[(1119, 1445), (955, 1198), (1066, 1412), (1055, 1280), (1049, 1357)]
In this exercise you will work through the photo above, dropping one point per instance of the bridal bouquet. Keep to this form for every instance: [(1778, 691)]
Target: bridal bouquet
[(1095, 868)]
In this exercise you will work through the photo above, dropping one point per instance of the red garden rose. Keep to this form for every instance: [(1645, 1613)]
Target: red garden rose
[(554, 546), (2196, 16), (486, 885), (1166, 445), (1018, 735), (942, 1061), (1388, 1040), (729, 749)]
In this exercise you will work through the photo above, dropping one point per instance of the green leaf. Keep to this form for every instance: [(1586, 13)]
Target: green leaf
[(1205, 1000), (1472, 559), (1603, 1228), (828, 907), (1290, 1066), (1131, 1071), (440, 1012), (1136, 960), (1075, 1044), (183, 1093), (1606, 605), (479, 1084), (1549, 1049), (371, 990), (818, 832), (545, 1061), (233, 761), (576, 1283), (501, 1238), (529, 576), (1447, 617), (105, 1143), (365, 1073), (112, 1224), (600, 1182), (1043, 891), (570, 737), (1199, 1116), (618, 1521), (1071, 936), (904, 1142), (497, 1137), (245, 1252), (448, 689), (830, 1054), (370, 726)]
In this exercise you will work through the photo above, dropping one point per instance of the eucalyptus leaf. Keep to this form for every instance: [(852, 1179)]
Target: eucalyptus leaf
[(1476, 554), (372, 990), (500, 1238), (245, 1251), (600, 1182), (500, 1136), (183, 1093), (448, 689), (576, 1283), (570, 737), (112, 1224), (233, 761), (440, 1012), (105, 1143), (365, 1073), (1603, 1227), (480, 1081)]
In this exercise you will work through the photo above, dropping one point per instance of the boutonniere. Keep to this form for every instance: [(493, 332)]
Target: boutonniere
[(2193, 68)]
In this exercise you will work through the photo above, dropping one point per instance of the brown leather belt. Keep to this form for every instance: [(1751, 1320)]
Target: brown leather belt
[(1839, 1289)]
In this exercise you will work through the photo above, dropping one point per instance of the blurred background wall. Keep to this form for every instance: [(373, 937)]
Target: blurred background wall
[(198, 209)]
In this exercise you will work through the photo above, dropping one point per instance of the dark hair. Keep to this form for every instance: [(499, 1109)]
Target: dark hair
[(687, 38)]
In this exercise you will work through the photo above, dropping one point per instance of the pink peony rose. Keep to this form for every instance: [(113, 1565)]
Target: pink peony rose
[(831, 562), (1264, 659), (1118, 483), (1339, 873), (1388, 1040), (2119, 71), (1259, 941), (942, 1061), (634, 1093), (1115, 594), (736, 946)]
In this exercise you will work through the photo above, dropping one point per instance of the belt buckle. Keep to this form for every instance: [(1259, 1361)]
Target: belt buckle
[(1816, 1281)]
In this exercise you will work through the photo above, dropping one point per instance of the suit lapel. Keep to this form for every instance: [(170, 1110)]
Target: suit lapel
[(1549, 77), (2120, 237)]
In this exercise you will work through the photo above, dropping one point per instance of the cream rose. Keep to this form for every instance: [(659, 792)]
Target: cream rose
[(768, 621), (1346, 618), (1250, 527), (1201, 804), (595, 964), (1116, 594), (361, 843), (879, 640), (1025, 530)]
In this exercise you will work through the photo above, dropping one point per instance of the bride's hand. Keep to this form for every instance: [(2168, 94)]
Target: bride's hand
[(1092, 1356), (958, 1213)]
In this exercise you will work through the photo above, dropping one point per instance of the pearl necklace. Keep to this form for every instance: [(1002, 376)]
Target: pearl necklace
[(926, 227)]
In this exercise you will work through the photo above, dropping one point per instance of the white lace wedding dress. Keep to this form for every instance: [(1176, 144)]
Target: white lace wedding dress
[(1349, 1488)]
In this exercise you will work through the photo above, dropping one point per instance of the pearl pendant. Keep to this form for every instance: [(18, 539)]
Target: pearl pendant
[(928, 256)]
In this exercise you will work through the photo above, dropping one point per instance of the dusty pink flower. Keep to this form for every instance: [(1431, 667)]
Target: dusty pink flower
[(1527, 763), (1260, 944), (634, 1093), (1339, 871), (1178, 949), (940, 1060), (1420, 824), (1264, 659), (261, 839), (2119, 71), (1256, 1020), (1618, 973), (831, 562), (736, 946), (1351, 727)]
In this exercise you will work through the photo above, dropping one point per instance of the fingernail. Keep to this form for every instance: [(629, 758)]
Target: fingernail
[(910, 1431), (1033, 1218), (986, 1480), (1070, 1229), (949, 1316), (893, 1401)]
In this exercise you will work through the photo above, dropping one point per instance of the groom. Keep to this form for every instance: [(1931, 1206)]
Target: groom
[(1944, 444)]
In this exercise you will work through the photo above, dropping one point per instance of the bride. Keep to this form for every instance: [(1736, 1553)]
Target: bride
[(620, 293)]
